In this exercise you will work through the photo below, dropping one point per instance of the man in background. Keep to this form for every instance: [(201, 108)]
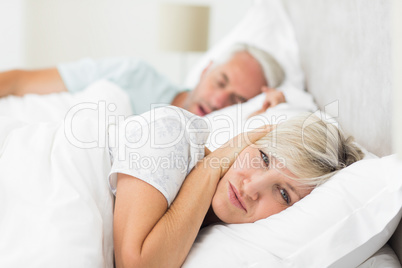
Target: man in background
[(239, 75)]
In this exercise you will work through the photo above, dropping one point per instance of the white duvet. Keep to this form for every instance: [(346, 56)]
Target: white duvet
[(56, 206)]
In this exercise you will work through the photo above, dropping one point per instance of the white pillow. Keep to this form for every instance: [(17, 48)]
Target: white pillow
[(233, 120), (337, 234), (340, 224), (267, 26)]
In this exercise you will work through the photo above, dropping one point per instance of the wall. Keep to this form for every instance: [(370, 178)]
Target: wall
[(12, 52), (347, 60), (41, 33), (397, 81)]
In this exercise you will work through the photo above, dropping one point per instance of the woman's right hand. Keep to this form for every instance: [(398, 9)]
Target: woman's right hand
[(219, 161)]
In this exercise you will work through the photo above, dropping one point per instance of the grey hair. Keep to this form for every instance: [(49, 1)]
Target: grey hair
[(310, 148), (273, 72)]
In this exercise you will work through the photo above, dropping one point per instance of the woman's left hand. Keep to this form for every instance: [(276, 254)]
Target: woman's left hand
[(220, 160)]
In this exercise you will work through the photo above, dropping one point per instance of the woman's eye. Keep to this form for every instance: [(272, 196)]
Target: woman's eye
[(285, 196), (264, 158)]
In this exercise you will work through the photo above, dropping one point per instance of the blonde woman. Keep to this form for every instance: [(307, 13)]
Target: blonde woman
[(155, 226)]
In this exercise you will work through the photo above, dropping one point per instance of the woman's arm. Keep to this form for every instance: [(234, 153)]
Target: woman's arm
[(146, 233), (21, 82)]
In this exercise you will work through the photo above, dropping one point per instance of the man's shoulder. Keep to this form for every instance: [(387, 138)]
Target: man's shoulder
[(108, 62), (123, 62)]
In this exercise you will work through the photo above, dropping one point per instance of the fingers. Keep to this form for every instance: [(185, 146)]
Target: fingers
[(273, 97), (269, 98), (254, 135), (220, 160), (245, 139), (256, 113), (266, 105), (266, 89), (230, 150)]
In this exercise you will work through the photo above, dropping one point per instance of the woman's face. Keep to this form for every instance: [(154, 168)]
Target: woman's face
[(255, 187)]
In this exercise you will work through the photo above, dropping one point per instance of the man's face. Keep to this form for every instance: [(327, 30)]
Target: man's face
[(235, 81)]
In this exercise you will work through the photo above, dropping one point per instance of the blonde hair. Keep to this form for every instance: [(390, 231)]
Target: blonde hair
[(310, 148), (273, 72)]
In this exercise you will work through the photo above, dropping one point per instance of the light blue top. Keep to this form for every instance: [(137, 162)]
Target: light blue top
[(144, 85)]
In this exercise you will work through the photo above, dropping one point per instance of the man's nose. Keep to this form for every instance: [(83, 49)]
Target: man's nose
[(221, 99)]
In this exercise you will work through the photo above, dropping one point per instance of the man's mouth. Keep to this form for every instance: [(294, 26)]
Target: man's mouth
[(202, 110)]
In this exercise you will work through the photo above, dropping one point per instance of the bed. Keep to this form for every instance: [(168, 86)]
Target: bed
[(339, 51)]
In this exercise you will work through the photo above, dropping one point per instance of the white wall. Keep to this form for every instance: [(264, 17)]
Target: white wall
[(42, 33), (12, 34), (397, 78)]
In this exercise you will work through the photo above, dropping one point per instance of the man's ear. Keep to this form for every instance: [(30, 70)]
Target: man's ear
[(206, 68)]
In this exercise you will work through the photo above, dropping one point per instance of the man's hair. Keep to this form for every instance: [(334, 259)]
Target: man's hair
[(273, 72)]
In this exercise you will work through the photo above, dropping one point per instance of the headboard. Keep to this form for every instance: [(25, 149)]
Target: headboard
[(345, 50)]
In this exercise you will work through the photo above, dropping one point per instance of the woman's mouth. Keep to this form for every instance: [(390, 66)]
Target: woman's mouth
[(235, 198)]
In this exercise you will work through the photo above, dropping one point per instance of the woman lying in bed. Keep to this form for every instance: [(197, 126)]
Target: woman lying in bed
[(275, 168)]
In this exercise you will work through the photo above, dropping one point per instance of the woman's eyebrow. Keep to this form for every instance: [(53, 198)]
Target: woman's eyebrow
[(294, 190)]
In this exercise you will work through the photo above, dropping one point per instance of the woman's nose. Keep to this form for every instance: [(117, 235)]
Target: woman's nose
[(251, 189)]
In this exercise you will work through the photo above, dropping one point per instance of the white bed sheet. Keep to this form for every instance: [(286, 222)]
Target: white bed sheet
[(384, 258)]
